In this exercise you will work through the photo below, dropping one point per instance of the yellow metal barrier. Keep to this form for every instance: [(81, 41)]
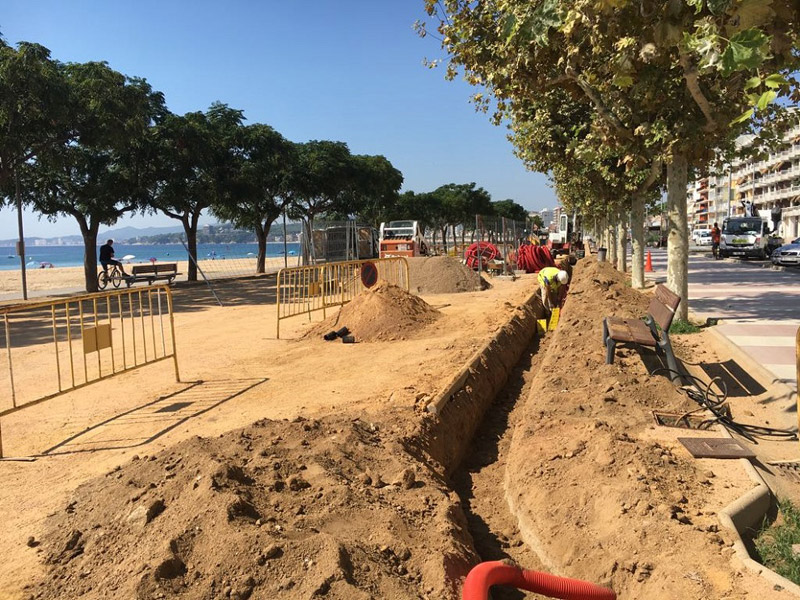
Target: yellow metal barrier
[(57, 346), (303, 290)]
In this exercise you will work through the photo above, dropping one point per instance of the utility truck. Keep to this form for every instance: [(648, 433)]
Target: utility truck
[(747, 236), (402, 238), (567, 235)]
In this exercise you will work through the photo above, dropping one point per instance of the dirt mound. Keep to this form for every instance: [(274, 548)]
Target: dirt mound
[(597, 493), (442, 275), (332, 507), (382, 313)]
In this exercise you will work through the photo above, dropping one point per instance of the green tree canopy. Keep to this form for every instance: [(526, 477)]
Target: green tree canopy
[(195, 167), (510, 210), (98, 174), (375, 188), (259, 190)]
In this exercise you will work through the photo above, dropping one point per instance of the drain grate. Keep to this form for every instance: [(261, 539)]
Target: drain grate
[(681, 420), (789, 468), (174, 407)]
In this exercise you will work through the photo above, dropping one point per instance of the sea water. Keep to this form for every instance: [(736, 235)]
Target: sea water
[(72, 256)]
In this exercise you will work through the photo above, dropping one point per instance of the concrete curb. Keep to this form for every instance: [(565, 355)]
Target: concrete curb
[(756, 369), (747, 513)]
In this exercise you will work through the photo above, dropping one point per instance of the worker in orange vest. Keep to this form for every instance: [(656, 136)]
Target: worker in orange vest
[(715, 237)]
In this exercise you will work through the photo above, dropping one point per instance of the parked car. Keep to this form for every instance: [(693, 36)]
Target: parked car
[(787, 255), (702, 237)]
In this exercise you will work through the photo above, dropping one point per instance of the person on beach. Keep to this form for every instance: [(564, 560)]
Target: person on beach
[(551, 282), (107, 257)]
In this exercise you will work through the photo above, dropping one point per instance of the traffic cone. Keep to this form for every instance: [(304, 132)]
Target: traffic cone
[(648, 265)]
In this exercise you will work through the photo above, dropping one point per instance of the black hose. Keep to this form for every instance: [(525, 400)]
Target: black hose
[(702, 393)]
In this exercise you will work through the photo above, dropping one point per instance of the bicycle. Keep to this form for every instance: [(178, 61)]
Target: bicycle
[(113, 275)]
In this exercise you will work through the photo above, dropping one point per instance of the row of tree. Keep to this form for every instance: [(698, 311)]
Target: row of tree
[(620, 100), (84, 141)]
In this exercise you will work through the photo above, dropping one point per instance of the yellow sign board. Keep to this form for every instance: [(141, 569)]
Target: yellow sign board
[(96, 338)]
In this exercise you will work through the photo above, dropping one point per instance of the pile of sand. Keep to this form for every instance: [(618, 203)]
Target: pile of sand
[(384, 312), (621, 507), (442, 275), (333, 508)]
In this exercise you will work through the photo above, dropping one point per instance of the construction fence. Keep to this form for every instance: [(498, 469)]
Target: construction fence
[(506, 234), (304, 290), (57, 346)]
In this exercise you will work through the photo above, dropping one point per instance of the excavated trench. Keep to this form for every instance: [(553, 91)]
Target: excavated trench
[(479, 479), (470, 434)]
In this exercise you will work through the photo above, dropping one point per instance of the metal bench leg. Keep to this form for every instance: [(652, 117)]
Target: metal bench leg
[(672, 364), (609, 343)]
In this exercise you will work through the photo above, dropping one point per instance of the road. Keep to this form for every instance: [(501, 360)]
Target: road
[(760, 307)]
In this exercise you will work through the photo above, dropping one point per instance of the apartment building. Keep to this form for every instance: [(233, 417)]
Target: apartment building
[(546, 214), (772, 185)]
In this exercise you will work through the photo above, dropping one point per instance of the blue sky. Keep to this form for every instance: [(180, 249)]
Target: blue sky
[(347, 70)]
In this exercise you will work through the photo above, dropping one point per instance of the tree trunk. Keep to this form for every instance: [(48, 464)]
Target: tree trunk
[(678, 236), (89, 233), (622, 243), (455, 242), (261, 257), (612, 242), (262, 231), (637, 239), (190, 229), (444, 238)]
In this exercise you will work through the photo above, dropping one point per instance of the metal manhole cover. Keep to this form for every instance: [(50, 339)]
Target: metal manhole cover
[(174, 407), (716, 448)]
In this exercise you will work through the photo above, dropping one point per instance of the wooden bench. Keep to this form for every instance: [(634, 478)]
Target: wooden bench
[(154, 272), (660, 312)]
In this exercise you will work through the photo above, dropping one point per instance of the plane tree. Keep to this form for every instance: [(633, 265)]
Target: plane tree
[(674, 82)]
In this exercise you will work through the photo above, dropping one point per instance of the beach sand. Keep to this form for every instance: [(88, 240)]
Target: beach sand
[(72, 279)]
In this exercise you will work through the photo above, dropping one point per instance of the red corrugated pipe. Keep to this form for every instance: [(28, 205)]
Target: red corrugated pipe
[(487, 574), (485, 250)]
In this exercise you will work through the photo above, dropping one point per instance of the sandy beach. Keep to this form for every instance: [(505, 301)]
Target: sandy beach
[(71, 278)]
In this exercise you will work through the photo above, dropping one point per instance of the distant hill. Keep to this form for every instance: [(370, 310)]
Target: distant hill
[(121, 234), (212, 233)]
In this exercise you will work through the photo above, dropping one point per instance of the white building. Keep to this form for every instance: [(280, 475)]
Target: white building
[(546, 214)]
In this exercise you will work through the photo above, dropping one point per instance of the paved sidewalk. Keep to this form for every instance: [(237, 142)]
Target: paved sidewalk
[(759, 308)]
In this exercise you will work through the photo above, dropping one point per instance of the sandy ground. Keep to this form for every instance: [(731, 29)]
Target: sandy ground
[(247, 375), (602, 481), (72, 277)]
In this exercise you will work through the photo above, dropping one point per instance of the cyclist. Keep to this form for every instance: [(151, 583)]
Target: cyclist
[(107, 258), (715, 237)]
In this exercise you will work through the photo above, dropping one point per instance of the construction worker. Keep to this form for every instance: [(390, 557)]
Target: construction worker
[(551, 280), (716, 234)]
